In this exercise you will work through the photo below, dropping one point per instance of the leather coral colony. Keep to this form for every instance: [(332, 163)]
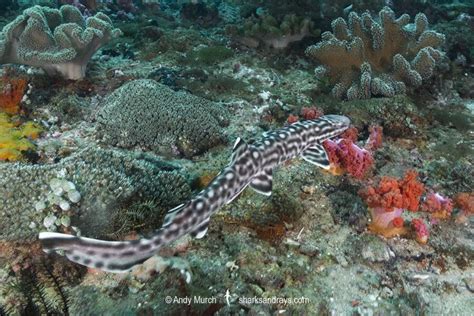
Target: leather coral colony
[(61, 42), (365, 57)]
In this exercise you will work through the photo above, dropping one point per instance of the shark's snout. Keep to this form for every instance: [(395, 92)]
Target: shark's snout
[(339, 119)]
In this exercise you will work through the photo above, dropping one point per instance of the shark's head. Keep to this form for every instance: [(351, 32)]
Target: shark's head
[(338, 120), (338, 123)]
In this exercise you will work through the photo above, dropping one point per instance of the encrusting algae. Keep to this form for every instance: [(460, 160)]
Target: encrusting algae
[(15, 137)]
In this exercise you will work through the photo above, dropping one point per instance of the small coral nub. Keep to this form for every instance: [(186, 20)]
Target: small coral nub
[(439, 206), (420, 230), (292, 119)]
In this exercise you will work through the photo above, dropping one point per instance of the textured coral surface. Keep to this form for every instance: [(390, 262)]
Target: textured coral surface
[(104, 178), (146, 114)]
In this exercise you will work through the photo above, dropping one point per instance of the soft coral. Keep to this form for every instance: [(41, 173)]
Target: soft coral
[(346, 156), (387, 201), (439, 206), (392, 193)]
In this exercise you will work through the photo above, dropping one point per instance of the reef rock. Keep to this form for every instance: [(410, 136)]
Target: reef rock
[(364, 57), (61, 42), (105, 180), (143, 113)]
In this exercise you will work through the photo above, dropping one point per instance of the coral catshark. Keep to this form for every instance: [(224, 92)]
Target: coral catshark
[(250, 165)]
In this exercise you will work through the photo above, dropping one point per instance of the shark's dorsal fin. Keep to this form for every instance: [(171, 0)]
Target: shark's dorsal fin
[(262, 182), (316, 154), (171, 215), (239, 149), (201, 230)]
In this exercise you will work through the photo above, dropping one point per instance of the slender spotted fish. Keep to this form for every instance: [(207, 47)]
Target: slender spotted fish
[(250, 165)]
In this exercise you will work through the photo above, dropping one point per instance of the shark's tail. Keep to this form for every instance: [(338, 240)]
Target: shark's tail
[(111, 256)]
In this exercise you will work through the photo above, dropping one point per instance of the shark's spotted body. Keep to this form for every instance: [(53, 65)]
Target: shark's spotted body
[(251, 165)]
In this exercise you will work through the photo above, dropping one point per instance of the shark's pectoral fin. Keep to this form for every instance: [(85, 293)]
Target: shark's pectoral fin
[(262, 182), (201, 230), (317, 156)]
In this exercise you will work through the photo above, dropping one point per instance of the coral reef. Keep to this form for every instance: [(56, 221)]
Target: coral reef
[(106, 179), (147, 114), (33, 284), (315, 237), (61, 42), (364, 57), (268, 32)]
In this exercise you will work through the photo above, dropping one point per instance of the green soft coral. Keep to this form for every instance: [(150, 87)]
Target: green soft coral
[(60, 41)]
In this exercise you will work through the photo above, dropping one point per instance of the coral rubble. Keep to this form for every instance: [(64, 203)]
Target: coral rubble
[(150, 115), (60, 41), (364, 57)]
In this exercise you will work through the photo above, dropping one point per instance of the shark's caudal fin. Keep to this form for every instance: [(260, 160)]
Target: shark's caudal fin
[(111, 256)]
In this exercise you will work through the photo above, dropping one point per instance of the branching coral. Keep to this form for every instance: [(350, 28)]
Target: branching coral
[(364, 57), (59, 41)]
